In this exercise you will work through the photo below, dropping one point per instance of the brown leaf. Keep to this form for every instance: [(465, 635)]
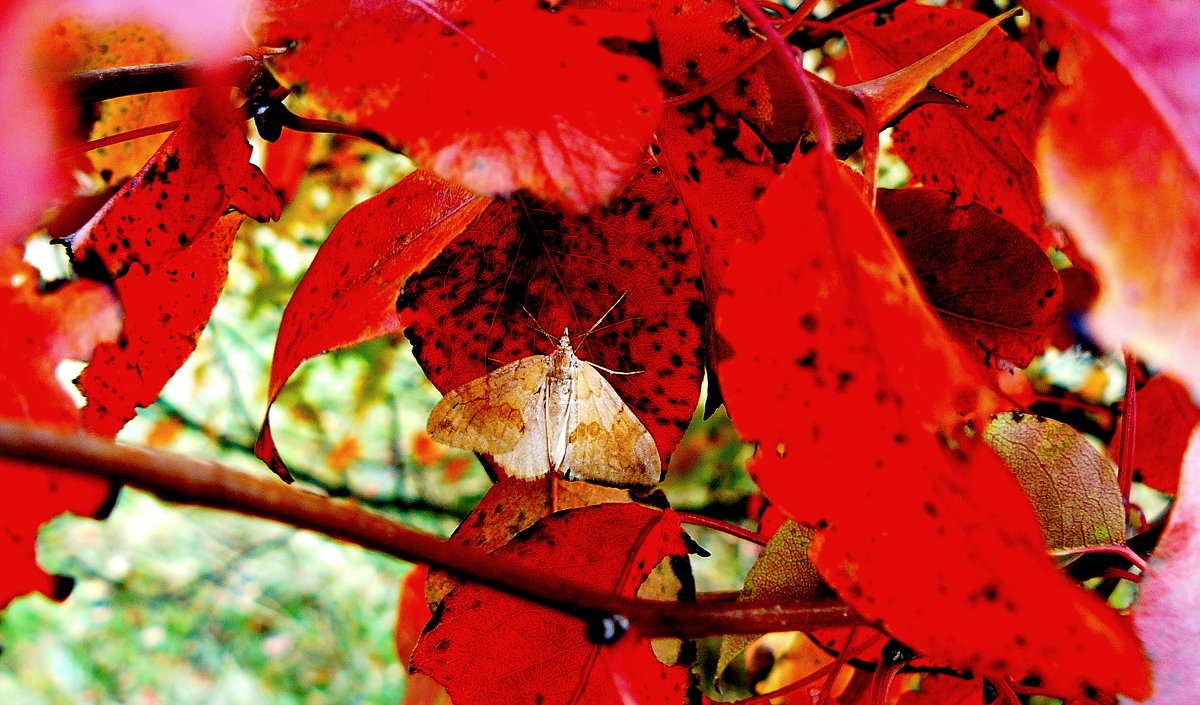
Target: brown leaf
[(1072, 485), (783, 571)]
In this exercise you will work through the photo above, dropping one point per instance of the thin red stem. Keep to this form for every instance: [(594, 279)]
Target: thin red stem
[(842, 658), (1122, 551), (796, 20), (724, 527), (118, 138), (1128, 427), (776, 41)]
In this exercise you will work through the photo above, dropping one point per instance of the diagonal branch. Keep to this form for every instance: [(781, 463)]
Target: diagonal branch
[(187, 481)]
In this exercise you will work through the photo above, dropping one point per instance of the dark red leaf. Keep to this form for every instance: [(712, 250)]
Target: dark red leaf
[(853, 390), (716, 162), (490, 648), (40, 331), (991, 285), (1166, 416), (498, 95), (165, 240), (348, 295), (983, 151), (520, 268)]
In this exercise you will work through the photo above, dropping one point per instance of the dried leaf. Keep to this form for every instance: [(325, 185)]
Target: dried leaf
[(1072, 485), (783, 571)]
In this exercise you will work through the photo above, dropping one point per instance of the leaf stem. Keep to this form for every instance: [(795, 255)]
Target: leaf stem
[(184, 480), (118, 138), (724, 527), (1128, 427)]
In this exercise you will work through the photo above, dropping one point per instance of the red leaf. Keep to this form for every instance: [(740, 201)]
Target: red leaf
[(496, 95), (38, 120), (101, 47), (348, 295), (991, 285), (35, 123), (1168, 606), (520, 267), (716, 162), (165, 240), (509, 507), (982, 151), (1119, 158), (42, 330), (1166, 416), (489, 647), (287, 162), (857, 423)]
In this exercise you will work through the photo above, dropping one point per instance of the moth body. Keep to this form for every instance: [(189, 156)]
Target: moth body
[(550, 413)]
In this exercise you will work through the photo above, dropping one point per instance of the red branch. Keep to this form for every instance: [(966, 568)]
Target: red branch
[(187, 481)]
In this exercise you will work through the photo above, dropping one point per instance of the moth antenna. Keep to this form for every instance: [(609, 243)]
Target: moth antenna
[(614, 372), (536, 326), (615, 324), (605, 314)]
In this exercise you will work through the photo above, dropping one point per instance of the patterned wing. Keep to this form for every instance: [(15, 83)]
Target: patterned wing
[(495, 413), (609, 444)]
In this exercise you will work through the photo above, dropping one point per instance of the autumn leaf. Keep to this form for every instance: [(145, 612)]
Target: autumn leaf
[(1168, 603), (509, 507), (348, 295), (42, 330), (1121, 169), (853, 390), (783, 571), (991, 285), (102, 47), (164, 240), (39, 120), (1166, 416), (499, 96), (1072, 485), (521, 275), (1002, 91), (411, 617), (489, 647)]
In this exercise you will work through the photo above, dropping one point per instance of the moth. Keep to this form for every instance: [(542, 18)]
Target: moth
[(550, 414)]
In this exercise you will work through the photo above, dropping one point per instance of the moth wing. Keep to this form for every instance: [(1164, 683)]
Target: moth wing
[(609, 444), (529, 458), (493, 413)]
